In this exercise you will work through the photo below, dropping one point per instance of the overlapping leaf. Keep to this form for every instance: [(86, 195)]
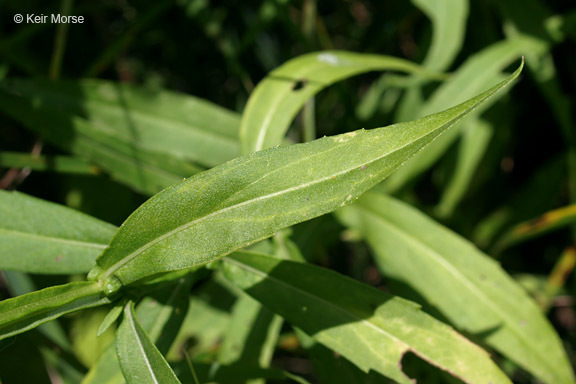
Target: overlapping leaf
[(278, 98), (469, 288), (370, 328), (252, 197)]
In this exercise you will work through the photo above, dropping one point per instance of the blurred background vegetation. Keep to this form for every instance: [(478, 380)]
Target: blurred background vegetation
[(517, 198)]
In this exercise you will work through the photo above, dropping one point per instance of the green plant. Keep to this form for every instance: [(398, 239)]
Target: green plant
[(221, 275)]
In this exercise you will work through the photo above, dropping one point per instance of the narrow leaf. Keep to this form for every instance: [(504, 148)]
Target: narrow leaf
[(549, 221), (278, 98), (60, 164), (25, 312), (140, 360), (370, 328), (449, 28), (68, 242), (252, 197), (480, 71), (468, 287), (161, 317)]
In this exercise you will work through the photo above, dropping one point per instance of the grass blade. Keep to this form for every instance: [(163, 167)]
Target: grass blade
[(252, 197), (465, 285), (352, 319)]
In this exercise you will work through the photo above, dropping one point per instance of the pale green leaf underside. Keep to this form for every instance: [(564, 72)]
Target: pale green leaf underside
[(42, 237), (252, 197), (25, 312), (140, 360), (468, 287), (278, 98), (370, 328)]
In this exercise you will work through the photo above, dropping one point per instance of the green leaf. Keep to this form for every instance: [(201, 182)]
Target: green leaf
[(153, 120), (370, 328), (468, 287), (25, 312), (549, 221), (61, 164), (449, 27), (140, 360), (252, 197), (478, 72), (161, 317), (278, 98), (69, 243), (473, 146), (112, 127)]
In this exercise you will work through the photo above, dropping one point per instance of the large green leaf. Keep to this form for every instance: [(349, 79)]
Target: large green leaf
[(370, 328), (25, 312), (140, 360), (278, 98), (42, 237), (252, 197), (468, 287), (145, 139), (152, 120)]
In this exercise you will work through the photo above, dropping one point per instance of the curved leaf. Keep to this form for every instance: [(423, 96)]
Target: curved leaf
[(42, 237), (25, 312), (370, 328), (449, 27), (252, 197), (278, 98), (140, 360), (468, 287)]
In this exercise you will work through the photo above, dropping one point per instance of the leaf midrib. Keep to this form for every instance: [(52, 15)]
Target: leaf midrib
[(76, 243)]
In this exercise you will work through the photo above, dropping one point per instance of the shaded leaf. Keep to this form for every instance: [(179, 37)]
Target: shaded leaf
[(277, 99), (468, 287), (370, 328), (252, 197), (42, 237), (61, 164), (140, 360), (25, 312)]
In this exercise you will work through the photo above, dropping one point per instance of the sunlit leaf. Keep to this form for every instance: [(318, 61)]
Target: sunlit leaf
[(252, 197), (368, 327), (468, 287)]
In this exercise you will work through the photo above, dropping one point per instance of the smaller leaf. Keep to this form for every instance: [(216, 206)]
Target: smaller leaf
[(25, 312), (111, 317), (60, 164), (549, 221), (140, 360)]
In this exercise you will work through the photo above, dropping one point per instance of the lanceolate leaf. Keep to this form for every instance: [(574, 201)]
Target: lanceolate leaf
[(140, 360), (278, 98), (370, 328), (468, 287), (151, 120), (252, 197), (42, 237), (25, 312)]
